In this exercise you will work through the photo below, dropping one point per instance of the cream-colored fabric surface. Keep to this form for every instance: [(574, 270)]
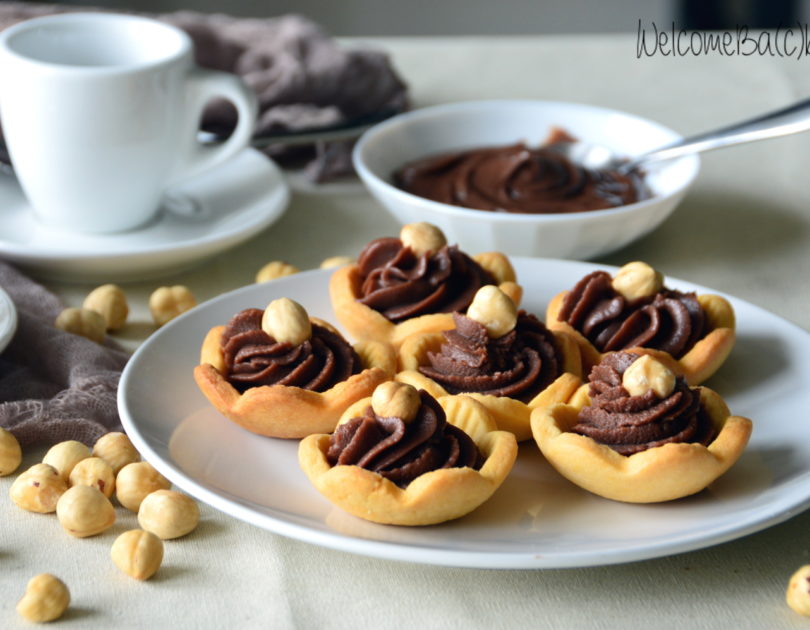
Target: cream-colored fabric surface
[(744, 229)]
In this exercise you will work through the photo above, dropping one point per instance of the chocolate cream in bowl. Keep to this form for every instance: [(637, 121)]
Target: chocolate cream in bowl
[(519, 179)]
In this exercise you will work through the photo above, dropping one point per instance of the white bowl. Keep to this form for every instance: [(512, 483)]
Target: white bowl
[(458, 126)]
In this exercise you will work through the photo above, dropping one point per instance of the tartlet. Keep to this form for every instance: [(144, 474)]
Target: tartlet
[(410, 285), (297, 349), (691, 334), (504, 358), (585, 442), (428, 498)]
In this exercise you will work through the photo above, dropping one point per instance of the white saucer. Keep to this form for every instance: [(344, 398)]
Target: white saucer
[(8, 319), (235, 201)]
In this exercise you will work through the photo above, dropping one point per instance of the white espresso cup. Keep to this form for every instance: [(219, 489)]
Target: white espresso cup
[(101, 113)]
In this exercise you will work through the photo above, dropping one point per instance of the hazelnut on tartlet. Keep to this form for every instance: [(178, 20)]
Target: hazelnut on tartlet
[(638, 433), (412, 284), (691, 334), (504, 358), (402, 457), (280, 373)]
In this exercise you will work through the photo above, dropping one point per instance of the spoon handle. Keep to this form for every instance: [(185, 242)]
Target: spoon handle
[(779, 123)]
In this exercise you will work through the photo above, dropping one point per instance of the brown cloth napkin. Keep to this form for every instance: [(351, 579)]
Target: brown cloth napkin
[(54, 386), (303, 79)]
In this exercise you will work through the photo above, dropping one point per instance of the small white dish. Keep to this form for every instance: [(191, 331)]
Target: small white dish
[(213, 212), (8, 319), (536, 519), (458, 126)]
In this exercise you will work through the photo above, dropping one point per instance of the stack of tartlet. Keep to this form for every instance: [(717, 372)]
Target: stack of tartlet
[(418, 422)]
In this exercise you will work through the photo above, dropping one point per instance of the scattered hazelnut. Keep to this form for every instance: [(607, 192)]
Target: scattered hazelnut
[(116, 449), (396, 400), (798, 591), (286, 321), (46, 599), (38, 489), (137, 553), (135, 481), (95, 472), (84, 322), (65, 455), (84, 511), (646, 373), (10, 453), (110, 302), (637, 280), (166, 303), (168, 514), (422, 238), (494, 309), (337, 261), (275, 269)]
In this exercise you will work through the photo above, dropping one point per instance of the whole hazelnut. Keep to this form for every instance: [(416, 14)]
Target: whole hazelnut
[(168, 514), (493, 309), (422, 238), (84, 511), (110, 302), (95, 472), (137, 553), (645, 374), (275, 269), (336, 261), (798, 591), (38, 489), (10, 453), (637, 280), (83, 322), (116, 449), (65, 455), (286, 321), (166, 303), (46, 599), (135, 481), (396, 400)]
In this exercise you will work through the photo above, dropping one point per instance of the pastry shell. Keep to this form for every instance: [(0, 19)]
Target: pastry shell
[(364, 322), (662, 473), (697, 365), (509, 414), (433, 497), (289, 412)]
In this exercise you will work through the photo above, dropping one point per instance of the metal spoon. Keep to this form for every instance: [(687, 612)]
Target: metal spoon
[(782, 122)]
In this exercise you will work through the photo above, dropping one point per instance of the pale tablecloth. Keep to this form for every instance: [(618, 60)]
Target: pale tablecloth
[(744, 229)]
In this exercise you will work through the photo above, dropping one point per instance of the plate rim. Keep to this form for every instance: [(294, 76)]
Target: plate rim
[(9, 327), (779, 510)]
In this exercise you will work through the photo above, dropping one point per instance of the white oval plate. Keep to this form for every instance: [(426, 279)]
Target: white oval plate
[(233, 202), (8, 319), (537, 519)]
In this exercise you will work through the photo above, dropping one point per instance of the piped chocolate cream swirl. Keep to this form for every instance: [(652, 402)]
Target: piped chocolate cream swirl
[(254, 358), (631, 424), (401, 284), (518, 178), (669, 320), (399, 450), (520, 364)]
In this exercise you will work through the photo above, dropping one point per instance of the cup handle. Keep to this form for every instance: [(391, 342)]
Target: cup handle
[(205, 85)]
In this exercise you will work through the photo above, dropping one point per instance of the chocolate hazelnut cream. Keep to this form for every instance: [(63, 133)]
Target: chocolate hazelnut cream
[(670, 320), (520, 364), (631, 424), (401, 285), (254, 358), (402, 451), (519, 178)]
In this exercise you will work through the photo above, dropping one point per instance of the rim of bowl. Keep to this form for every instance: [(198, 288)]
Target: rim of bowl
[(369, 177)]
